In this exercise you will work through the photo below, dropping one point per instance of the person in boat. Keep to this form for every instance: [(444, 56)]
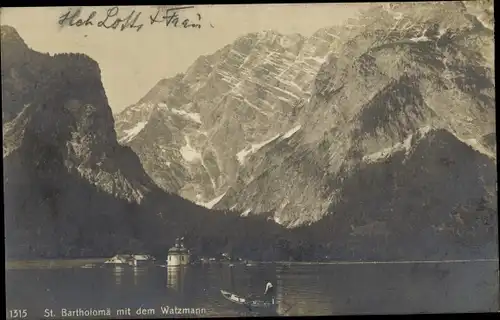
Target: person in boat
[(269, 292)]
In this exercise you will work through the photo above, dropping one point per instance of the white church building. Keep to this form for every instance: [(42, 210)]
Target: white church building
[(178, 255)]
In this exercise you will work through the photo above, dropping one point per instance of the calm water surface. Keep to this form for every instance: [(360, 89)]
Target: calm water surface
[(300, 289)]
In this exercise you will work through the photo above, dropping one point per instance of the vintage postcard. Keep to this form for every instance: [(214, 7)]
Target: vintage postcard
[(249, 160)]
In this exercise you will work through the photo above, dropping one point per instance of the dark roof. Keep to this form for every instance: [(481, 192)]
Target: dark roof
[(174, 249)]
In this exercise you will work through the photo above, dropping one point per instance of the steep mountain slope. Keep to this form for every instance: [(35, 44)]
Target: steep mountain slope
[(256, 126), (70, 189), (399, 69), (388, 153), (192, 132), (432, 196), (67, 181)]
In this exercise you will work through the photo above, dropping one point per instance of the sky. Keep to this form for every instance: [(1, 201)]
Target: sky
[(132, 61)]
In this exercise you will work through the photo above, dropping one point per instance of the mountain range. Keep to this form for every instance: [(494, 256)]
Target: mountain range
[(370, 140), (271, 122)]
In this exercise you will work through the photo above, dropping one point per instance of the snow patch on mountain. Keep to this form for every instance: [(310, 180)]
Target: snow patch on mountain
[(131, 133), (292, 84), (284, 99), (253, 106), (189, 153), (291, 132), (287, 92), (253, 148), (140, 107), (246, 212), (474, 144), (420, 39), (193, 116), (406, 146), (277, 219), (319, 60), (210, 204)]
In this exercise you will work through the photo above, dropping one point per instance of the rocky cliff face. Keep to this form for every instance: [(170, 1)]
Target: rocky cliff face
[(399, 69), (257, 126), (70, 189), (195, 131), (388, 117), (59, 100), (432, 196)]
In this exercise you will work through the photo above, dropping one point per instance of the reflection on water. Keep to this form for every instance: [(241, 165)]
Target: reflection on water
[(283, 306), (300, 289), (175, 277), (137, 274), (118, 271)]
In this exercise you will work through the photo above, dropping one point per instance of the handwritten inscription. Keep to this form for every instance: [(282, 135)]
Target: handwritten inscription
[(174, 17), (112, 21)]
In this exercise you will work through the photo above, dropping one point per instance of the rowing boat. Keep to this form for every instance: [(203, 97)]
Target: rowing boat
[(245, 301)]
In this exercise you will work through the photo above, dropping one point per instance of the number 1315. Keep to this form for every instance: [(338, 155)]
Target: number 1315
[(18, 313)]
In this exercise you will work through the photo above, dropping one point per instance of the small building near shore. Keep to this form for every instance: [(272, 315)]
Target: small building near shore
[(143, 258), (130, 259), (122, 259), (178, 255)]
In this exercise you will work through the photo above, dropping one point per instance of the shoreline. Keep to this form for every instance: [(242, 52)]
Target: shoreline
[(49, 263)]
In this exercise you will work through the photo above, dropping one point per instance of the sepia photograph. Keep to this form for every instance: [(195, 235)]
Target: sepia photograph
[(249, 160)]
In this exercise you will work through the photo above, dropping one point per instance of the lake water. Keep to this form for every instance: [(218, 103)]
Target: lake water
[(301, 289)]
